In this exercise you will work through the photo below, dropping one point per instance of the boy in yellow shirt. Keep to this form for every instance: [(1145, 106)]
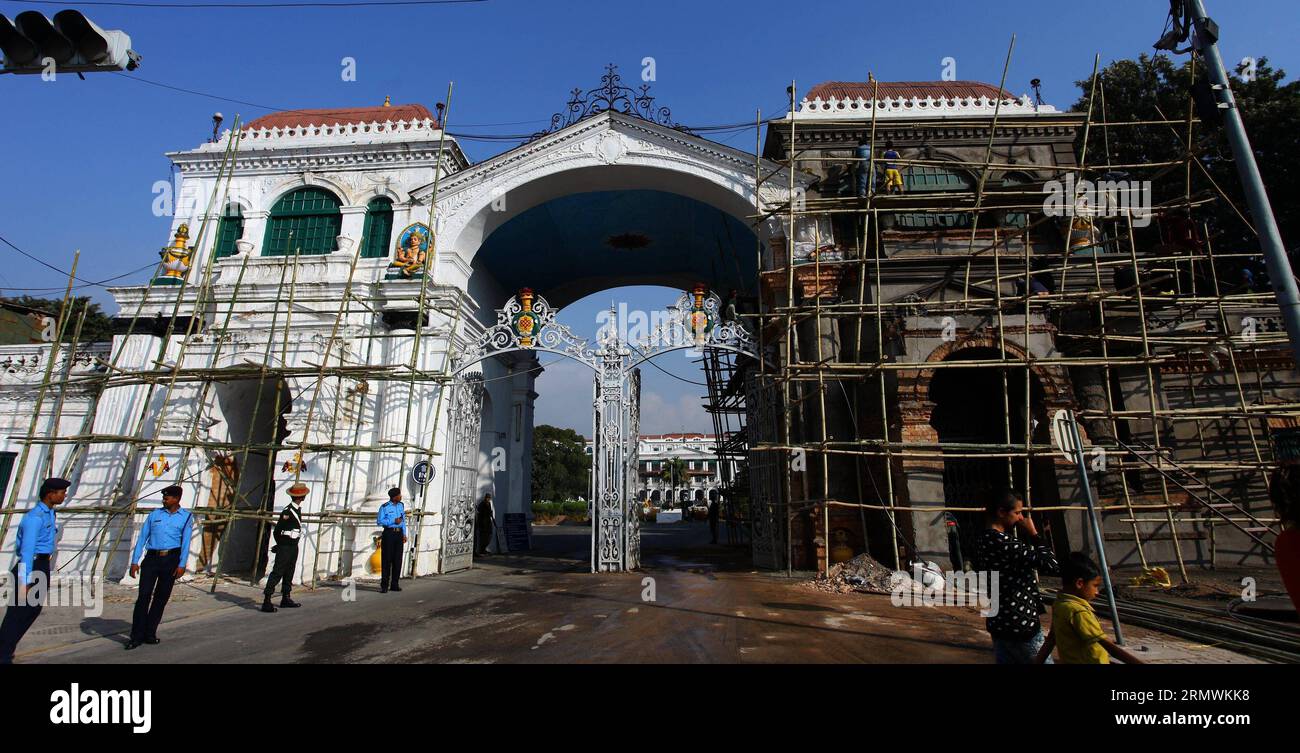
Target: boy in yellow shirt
[(1076, 633)]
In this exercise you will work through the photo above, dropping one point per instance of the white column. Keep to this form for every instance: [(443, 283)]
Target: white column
[(354, 222), (393, 408), (255, 229)]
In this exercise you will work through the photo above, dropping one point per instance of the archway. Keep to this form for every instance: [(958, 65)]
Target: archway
[(607, 199), (253, 412), (526, 324), (980, 416)]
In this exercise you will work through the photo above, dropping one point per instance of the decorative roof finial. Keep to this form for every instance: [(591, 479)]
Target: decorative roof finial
[(388, 101), (871, 77)]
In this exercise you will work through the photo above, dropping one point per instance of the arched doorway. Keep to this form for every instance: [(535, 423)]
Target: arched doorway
[(981, 415), (253, 412)]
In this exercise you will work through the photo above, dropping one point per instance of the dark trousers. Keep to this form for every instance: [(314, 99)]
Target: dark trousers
[(286, 556), (483, 533), (157, 576), (19, 617), (713, 528), (390, 554)]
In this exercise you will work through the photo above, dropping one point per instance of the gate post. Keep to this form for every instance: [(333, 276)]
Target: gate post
[(609, 481)]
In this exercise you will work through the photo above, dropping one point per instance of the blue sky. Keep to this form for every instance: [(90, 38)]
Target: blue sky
[(81, 157)]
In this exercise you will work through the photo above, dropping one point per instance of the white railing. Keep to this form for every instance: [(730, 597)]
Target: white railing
[(913, 107)]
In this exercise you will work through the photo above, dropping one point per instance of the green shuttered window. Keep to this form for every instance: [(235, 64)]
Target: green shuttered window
[(306, 221), (229, 230), (378, 232)]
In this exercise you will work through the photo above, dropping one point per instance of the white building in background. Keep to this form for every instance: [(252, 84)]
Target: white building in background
[(703, 473)]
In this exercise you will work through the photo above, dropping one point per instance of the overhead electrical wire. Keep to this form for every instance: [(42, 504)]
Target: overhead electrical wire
[(65, 272)]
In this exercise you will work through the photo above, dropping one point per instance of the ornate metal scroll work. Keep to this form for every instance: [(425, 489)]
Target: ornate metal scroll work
[(697, 321), (526, 322), (631, 464), (462, 473), (609, 500), (611, 96)]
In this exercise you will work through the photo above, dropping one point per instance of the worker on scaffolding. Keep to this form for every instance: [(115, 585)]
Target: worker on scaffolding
[(34, 546), (392, 518), (158, 561), (863, 156), (287, 531), (893, 178)]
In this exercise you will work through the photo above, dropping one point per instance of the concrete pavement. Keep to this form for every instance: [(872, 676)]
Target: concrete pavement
[(692, 602)]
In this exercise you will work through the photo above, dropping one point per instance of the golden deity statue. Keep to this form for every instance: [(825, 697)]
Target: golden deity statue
[(175, 258), (411, 249)]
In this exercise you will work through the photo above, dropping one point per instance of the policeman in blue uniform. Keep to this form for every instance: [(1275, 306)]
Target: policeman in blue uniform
[(392, 518), (34, 546), (165, 544)]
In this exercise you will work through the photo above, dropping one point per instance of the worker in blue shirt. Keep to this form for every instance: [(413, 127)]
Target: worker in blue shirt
[(392, 518), (165, 545), (893, 178), (34, 546)]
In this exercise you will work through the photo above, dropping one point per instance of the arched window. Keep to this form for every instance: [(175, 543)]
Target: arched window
[(931, 179), (378, 231), (229, 230), (311, 215)]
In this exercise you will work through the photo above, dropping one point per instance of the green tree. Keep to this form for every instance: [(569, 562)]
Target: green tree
[(1155, 88), (97, 328), (674, 472), (561, 466)]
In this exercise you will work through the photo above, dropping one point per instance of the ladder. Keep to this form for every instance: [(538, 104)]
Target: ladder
[(1216, 503)]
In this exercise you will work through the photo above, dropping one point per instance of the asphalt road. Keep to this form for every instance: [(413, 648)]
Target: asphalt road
[(692, 602)]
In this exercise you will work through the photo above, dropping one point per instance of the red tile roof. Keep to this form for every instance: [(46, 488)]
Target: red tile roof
[(906, 89), (380, 114)]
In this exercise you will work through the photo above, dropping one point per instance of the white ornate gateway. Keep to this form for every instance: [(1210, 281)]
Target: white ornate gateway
[(528, 323), (313, 296)]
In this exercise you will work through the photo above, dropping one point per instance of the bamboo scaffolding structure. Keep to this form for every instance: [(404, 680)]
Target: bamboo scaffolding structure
[(1168, 360)]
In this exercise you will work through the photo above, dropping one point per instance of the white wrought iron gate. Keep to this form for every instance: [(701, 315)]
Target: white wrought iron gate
[(527, 322), (465, 413)]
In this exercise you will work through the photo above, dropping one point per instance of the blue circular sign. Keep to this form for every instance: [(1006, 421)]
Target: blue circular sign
[(422, 472)]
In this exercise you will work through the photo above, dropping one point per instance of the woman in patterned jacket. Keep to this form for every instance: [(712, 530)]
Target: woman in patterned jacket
[(1015, 627)]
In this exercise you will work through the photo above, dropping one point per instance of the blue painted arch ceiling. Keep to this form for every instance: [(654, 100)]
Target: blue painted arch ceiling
[(579, 244)]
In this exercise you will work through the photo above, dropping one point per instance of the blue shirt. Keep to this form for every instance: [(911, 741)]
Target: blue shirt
[(389, 512), (165, 530), (35, 536), (889, 156)]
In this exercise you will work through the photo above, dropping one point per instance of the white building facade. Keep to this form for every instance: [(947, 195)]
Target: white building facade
[(703, 473)]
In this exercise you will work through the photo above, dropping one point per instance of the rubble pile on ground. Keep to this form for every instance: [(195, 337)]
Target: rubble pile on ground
[(862, 573)]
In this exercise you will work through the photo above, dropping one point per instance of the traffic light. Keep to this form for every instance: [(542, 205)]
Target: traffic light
[(71, 43)]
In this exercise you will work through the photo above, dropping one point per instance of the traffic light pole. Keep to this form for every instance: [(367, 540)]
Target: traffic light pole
[(1270, 240)]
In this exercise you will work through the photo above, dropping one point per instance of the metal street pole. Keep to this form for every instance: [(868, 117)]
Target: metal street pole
[(1080, 462), (1279, 266)]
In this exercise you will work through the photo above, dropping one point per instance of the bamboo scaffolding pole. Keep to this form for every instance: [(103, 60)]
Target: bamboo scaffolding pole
[(64, 316)]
